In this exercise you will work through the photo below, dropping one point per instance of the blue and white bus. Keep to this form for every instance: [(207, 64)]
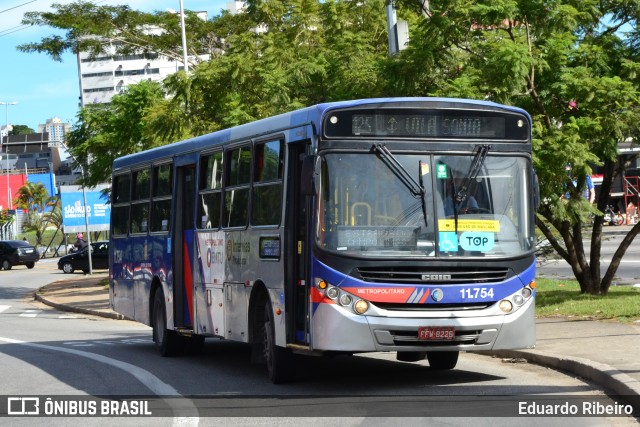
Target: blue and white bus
[(380, 225)]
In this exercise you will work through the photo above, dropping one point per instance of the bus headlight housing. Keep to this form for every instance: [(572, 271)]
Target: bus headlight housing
[(343, 298), (517, 300)]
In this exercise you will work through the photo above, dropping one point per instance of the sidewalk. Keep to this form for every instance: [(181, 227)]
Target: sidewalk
[(605, 352)]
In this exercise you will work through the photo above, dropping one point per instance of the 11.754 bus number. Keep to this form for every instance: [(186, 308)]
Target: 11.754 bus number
[(475, 293)]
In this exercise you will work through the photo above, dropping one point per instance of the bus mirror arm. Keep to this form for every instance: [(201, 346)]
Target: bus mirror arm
[(307, 176)]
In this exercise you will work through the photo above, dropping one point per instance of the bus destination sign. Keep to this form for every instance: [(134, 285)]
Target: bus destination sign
[(426, 124)]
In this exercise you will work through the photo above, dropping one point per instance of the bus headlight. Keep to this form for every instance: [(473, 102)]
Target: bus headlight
[(332, 292), (506, 306), (361, 306), (345, 299), (518, 299)]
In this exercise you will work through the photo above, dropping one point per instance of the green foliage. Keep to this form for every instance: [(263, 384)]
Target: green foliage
[(105, 132), (21, 130), (34, 198)]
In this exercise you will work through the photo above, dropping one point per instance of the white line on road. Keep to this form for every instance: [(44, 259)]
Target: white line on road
[(153, 383), (4, 307), (31, 313)]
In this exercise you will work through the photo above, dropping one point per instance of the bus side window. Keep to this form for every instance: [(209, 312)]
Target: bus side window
[(120, 210), (267, 183), (237, 184), (210, 196), (161, 192), (140, 201)]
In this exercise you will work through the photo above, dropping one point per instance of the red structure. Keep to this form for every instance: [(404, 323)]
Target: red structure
[(15, 181)]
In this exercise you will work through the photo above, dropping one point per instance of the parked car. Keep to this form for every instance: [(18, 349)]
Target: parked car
[(80, 261), (17, 252)]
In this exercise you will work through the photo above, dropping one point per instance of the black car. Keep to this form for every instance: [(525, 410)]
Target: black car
[(17, 252), (80, 261)]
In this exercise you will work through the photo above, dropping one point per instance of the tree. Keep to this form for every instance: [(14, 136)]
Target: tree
[(96, 29), (21, 130), (105, 132), (569, 64), (34, 198)]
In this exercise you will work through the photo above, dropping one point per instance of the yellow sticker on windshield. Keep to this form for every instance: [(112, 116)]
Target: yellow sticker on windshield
[(490, 225)]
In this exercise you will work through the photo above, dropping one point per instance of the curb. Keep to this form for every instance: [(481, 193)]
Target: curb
[(64, 307), (623, 385)]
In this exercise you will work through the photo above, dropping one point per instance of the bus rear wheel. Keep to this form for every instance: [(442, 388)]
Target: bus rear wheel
[(166, 341), (442, 360), (280, 361)]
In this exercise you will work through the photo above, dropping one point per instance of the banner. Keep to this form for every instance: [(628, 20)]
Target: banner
[(98, 210)]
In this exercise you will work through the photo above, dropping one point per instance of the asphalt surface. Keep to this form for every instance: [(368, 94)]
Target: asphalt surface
[(605, 352)]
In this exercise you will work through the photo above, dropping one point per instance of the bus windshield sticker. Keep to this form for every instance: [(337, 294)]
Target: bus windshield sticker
[(448, 242), (488, 225), (477, 241)]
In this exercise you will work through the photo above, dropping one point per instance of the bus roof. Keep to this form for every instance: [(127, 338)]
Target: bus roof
[(308, 118)]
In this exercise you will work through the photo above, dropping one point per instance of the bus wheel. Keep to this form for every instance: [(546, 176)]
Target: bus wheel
[(442, 359), (411, 356), (280, 362), (167, 341)]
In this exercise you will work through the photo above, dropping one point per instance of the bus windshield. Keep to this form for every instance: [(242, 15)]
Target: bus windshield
[(366, 208)]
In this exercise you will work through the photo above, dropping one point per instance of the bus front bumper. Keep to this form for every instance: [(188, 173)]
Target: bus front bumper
[(336, 329)]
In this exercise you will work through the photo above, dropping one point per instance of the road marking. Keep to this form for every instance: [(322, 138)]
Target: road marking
[(31, 313), (4, 307), (153, 383)]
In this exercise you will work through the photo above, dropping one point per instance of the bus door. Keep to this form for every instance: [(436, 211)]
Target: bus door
[(297, 280), (183, 246)]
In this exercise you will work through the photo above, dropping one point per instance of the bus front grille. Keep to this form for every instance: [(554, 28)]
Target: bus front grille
[(433, 276), (431, 307)]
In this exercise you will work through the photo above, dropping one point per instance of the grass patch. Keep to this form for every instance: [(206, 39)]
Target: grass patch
[(562, 298)]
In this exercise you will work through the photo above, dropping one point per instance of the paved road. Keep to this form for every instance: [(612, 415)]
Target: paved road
[(628, 272)]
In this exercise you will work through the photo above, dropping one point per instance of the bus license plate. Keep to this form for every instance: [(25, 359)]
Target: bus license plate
[(440, 333)]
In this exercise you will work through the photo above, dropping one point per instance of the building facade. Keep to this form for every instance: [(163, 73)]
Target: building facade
[(109, 74)]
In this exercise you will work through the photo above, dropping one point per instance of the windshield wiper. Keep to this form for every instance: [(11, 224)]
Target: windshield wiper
[(472, 174), (462, 194), (417, 189)]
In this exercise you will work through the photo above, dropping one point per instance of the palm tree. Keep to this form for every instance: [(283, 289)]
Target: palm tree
[(33, 197)]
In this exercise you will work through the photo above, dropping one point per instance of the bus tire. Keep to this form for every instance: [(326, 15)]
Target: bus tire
[(167, 341), (411, 356), (442, 360), (280, 362)]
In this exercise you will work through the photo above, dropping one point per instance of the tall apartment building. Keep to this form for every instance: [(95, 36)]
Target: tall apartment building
[(104, 76), (55, 128)]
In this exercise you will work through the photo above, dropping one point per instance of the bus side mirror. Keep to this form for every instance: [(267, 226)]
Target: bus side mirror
[(307, 181)]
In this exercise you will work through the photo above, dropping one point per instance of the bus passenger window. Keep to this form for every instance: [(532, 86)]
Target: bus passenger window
[(237, 179), (267, 183)]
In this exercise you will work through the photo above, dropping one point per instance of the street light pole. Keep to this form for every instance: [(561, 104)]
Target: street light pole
[(84, 207), (184, 38), (6, 150)]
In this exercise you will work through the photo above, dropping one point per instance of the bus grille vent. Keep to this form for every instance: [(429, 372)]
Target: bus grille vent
[(433, 276)]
